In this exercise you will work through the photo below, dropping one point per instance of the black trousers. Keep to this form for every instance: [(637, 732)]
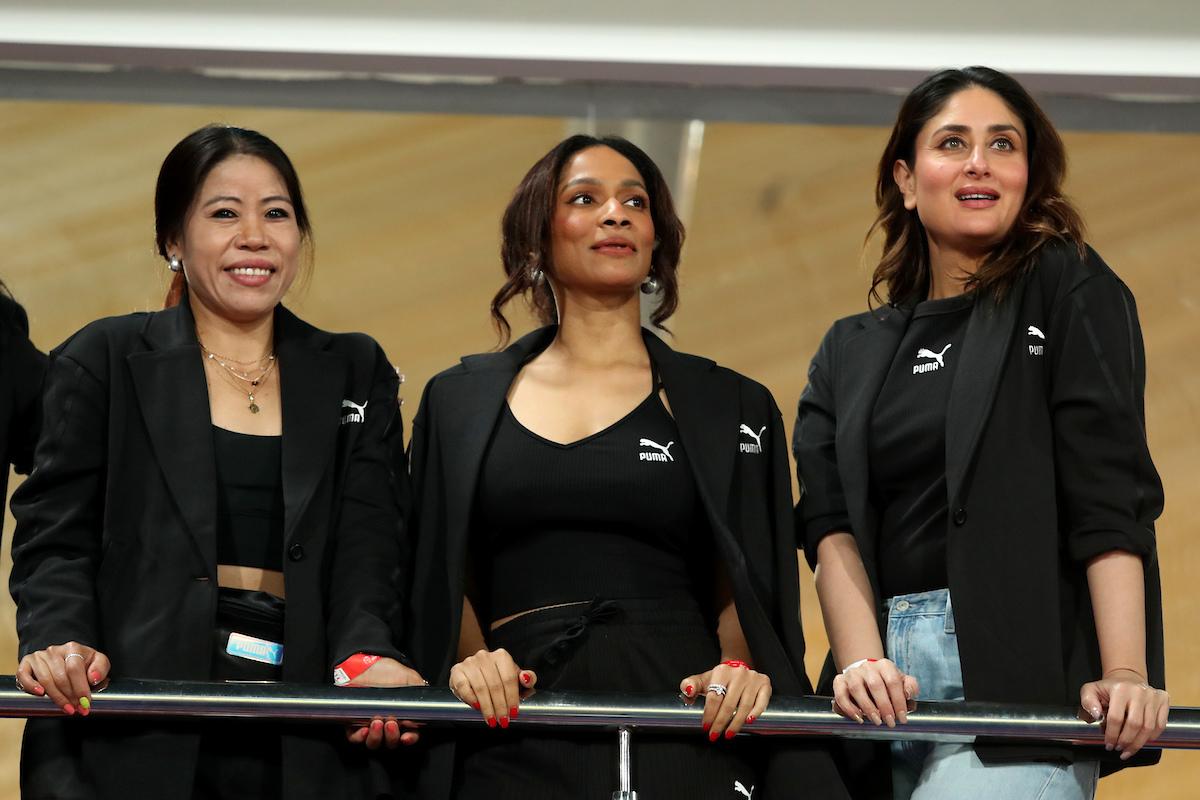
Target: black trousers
[(611, 645)]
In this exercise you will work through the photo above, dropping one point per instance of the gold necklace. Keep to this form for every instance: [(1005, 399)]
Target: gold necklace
[(244, 377)]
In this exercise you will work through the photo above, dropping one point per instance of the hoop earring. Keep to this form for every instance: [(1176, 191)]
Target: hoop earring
[(175, 264), (650, 285)]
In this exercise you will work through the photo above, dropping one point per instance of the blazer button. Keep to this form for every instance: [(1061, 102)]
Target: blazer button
[(960, 516), (296, 553)]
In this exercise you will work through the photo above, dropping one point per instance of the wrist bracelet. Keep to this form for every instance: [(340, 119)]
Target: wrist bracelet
[(352, 667), (858, 664), (735, 663)]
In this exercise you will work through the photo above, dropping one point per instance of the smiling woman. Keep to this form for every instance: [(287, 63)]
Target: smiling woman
[(188, 518)]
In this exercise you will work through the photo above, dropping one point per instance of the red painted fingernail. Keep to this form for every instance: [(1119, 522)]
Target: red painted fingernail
[(491, 722), (749, 719), (689, 689), (68, 709), (504, 722), (730, 734), (706, 725), (712, 737), (39, 691), (376, 725), (475, 706), (512, 712), (525, 677), (94, 677)]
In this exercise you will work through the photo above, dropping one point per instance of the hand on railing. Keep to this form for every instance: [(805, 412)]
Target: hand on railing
[(491, 683), (386, 673), (734, 695), (1128, 708), (65, 673), (876, 689)]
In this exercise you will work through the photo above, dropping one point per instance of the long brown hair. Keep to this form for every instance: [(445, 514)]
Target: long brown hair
[(1045, 214), (187, 165), (526, 231)]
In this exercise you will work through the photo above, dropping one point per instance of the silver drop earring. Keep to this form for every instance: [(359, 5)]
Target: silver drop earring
[(174, 264), (650, 285), (536, 276)]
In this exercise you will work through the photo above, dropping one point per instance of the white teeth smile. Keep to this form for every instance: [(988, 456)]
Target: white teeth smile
[(257, 271), (977, 197)]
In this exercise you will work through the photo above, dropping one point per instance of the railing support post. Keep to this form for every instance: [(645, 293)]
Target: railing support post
[(624, 766)]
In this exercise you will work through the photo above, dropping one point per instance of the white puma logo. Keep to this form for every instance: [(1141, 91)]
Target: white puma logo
[(927, 353), (357, 413), (746, 447), (1035, 332), (740, 788), (665, 455)]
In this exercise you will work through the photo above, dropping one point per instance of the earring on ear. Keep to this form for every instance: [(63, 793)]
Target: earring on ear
[(650, 285), (536, 276), (175, 264)]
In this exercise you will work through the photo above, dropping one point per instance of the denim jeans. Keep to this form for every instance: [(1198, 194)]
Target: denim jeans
[(921, 641)]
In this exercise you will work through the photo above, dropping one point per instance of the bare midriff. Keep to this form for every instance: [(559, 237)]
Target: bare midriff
[(252, 579)]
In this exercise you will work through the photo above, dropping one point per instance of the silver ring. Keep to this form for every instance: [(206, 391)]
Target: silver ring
[(18, 680), (718, 689), (69, 656)]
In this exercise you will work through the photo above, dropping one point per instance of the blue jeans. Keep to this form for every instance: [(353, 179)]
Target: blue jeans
[(922, 643)]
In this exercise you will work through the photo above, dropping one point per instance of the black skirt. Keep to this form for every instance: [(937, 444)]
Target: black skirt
[(610, 645)]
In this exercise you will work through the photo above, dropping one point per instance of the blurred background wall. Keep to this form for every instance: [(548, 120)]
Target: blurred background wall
[(411, 126)]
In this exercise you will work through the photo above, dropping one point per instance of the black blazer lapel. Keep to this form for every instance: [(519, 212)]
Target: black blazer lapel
[(312, 382), (985, 346), (863, 364), (172, 395), (705, 404)]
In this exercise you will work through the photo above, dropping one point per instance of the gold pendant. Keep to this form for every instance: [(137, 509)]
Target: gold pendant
[(253, 405)]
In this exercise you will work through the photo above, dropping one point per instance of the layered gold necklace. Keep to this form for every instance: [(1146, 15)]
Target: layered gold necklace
[(243, 380)]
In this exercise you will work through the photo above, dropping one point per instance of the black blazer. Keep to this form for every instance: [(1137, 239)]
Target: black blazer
[(116, 543), (747, 497), (1047, 465), (22, 367)]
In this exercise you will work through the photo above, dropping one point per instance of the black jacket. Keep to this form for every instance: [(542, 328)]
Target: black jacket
[(747, 497), (116, 543), (1046, 466), (22, 367)]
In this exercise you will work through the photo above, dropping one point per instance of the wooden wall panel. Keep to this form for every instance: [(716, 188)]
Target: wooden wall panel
[(406, 209)]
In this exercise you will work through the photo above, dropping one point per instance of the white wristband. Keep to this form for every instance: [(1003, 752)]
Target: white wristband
[(858, 664)]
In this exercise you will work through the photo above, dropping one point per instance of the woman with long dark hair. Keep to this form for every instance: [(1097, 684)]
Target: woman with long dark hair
[(978, 494), (595, 511), (21, 369), (214, 500)]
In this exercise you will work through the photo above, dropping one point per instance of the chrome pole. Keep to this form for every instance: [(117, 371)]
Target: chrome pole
[(624, 766), (798, 716)]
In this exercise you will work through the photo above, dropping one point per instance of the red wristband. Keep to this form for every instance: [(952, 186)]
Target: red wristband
[(735, 663), (352, 667)]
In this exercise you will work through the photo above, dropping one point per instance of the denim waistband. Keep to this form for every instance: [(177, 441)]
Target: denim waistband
[(935, 602)]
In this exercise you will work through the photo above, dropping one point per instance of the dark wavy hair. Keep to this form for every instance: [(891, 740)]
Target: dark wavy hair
[(1045, 214), (186, 167), (526, 231)]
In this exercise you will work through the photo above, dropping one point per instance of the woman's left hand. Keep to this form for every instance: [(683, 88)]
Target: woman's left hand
[(1128, 708), (734, 695), (386, 673)]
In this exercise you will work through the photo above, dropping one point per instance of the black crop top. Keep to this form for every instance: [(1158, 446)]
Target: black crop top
[(249, 499), (614, 515)]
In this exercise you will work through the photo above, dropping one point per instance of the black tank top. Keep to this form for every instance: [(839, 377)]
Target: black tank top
[(613, 515), (249, 499)]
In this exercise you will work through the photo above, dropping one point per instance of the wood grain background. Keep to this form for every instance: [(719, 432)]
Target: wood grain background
[(406, 209)]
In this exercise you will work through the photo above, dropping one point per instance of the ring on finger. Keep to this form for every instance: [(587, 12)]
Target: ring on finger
[(718, 689), (20, 686), (69, 656)]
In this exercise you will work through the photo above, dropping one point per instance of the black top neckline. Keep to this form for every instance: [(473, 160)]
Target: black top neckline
[(591, 436), (219, 429)]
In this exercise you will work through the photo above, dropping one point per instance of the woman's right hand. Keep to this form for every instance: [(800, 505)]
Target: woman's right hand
[(875, 689), (65, 673), (491, 683)]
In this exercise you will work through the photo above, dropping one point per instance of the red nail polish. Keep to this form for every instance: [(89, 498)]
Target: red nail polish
[(475, 706), (512, 712), (749, 719), (706, 725), (94, 677), (69, 709), (39, 691), (730, 734), (525, 677), (491, 721), (689, 689), (504, 722), (712, 737)]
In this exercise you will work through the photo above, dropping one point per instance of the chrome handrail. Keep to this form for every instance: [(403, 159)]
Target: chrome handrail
[(797, 716)]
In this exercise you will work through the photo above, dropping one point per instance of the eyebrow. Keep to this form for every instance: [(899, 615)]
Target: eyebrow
[(228, 198), (1005, 127), (595, 182)]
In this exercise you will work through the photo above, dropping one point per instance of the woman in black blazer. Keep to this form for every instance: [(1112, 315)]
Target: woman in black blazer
[(978, 496), (569, 542), (206, 468), (21, 369)]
